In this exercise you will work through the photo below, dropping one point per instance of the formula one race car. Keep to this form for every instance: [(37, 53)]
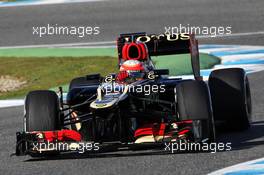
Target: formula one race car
[(139, 104)]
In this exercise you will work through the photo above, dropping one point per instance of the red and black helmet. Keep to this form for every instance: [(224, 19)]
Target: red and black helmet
[(132, 66), (131, 69)]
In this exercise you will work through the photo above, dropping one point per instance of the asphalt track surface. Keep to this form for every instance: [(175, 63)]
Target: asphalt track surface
[(115, 17), (121, 16)]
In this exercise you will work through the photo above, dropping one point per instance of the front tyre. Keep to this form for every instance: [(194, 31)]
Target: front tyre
[(42, 111), (194, 103)]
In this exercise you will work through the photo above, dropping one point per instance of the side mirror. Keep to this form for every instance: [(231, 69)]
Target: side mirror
[(93, 77)]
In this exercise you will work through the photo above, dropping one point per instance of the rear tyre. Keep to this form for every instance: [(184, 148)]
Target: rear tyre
[(231, 98), (193, 100), (42, 111)]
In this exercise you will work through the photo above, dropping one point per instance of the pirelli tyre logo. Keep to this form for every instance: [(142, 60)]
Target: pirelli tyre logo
[(148, 38)]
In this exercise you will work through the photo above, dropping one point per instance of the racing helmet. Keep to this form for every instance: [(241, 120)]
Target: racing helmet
[(132, 65), (134, 69)]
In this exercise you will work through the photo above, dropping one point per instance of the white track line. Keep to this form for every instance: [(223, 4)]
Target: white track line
[(232, 48), (11, 103), (232, 35), (92, 44), (239, 167), (218, 49), (242, 56), (42, 2)]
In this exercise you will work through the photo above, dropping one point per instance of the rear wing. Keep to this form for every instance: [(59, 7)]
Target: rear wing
[(164, 44)]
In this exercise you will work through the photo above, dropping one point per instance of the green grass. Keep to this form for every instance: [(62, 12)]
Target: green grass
[(57, 52), (181, 64), (51, 71), (48, 72)]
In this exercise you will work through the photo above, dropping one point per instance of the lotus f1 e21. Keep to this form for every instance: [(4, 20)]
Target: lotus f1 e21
[(117, 110)]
